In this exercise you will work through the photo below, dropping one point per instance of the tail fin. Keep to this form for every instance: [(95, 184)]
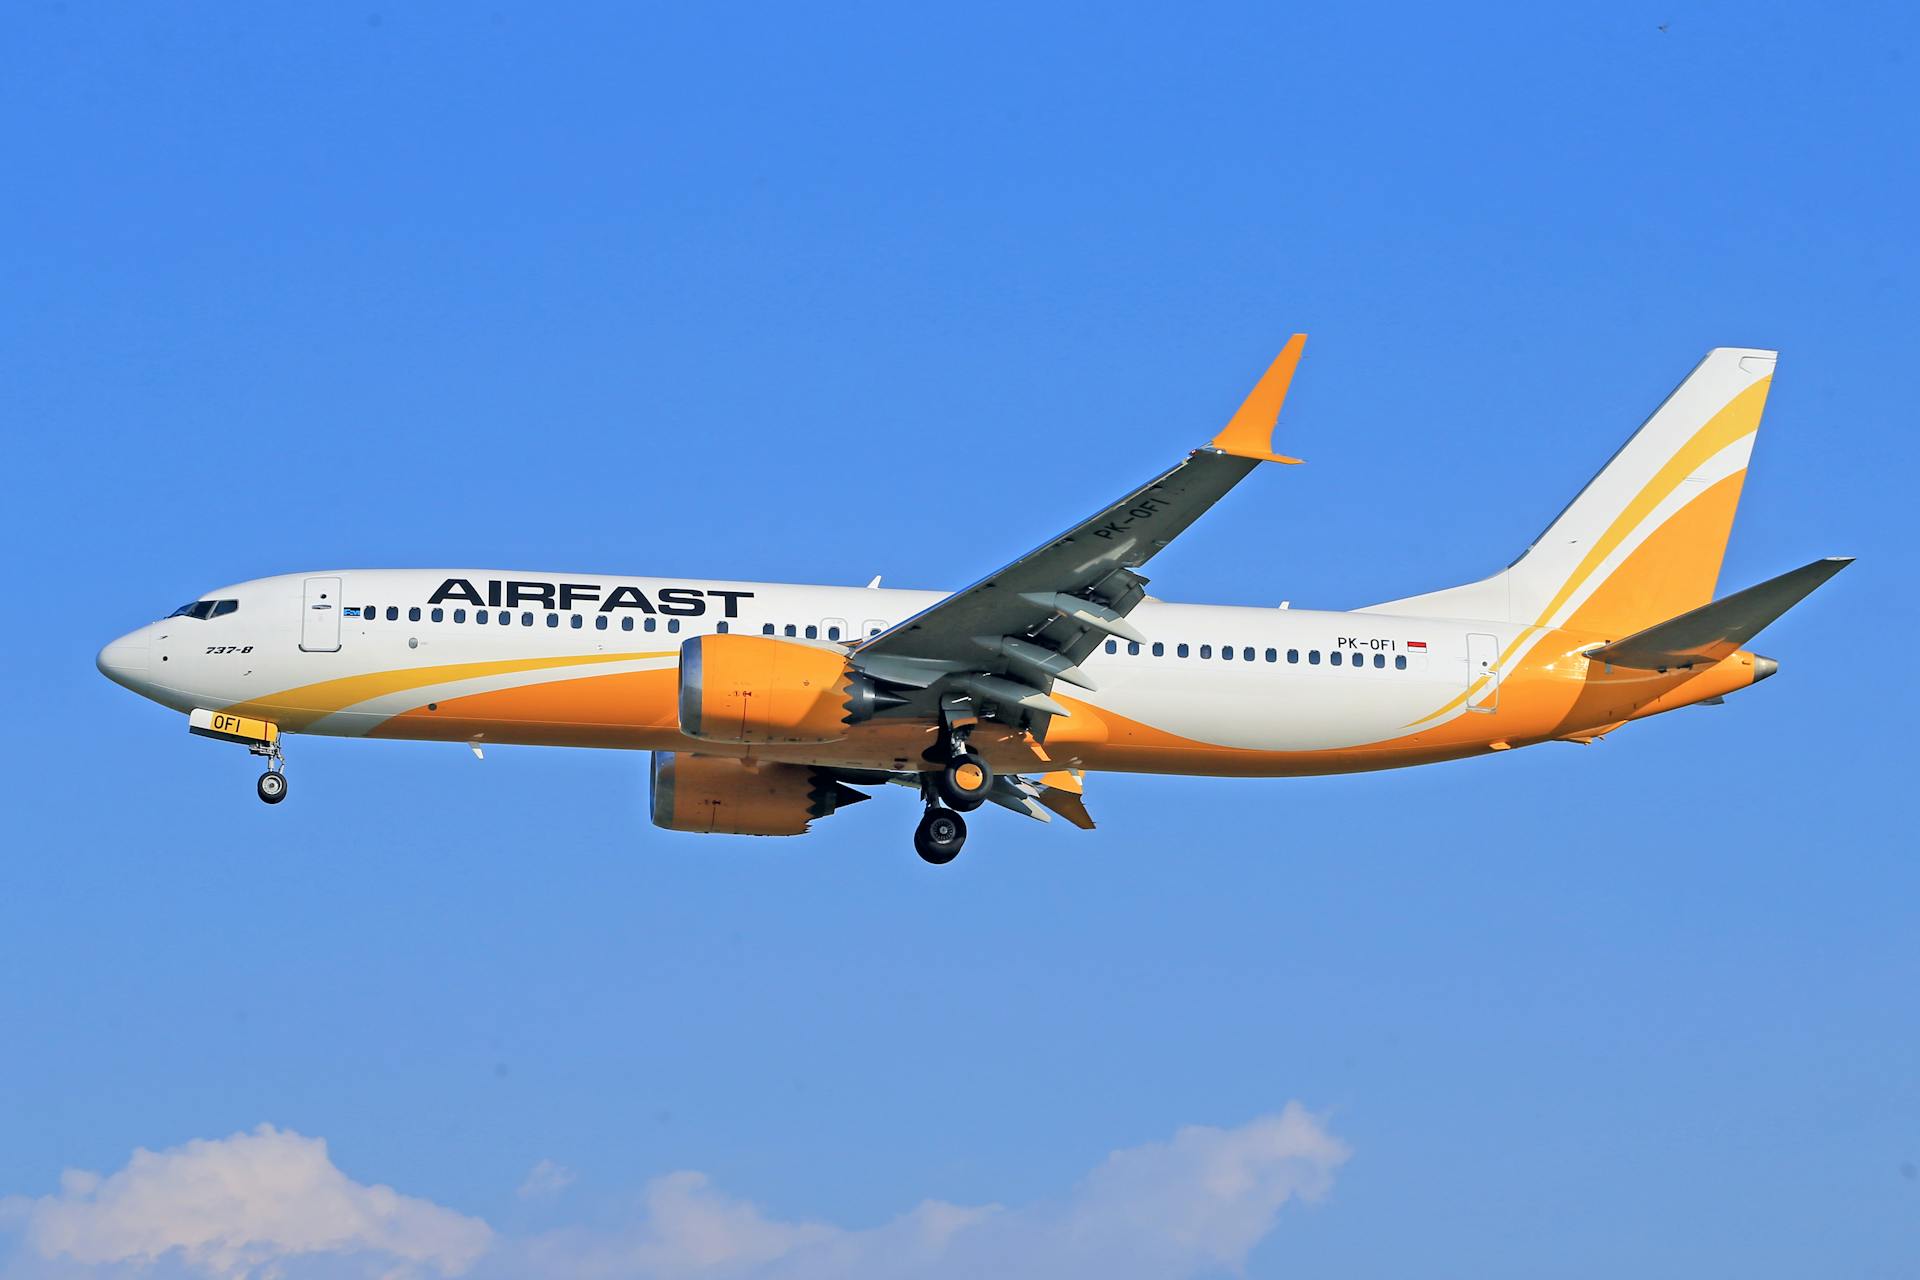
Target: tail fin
[(1643, 541)]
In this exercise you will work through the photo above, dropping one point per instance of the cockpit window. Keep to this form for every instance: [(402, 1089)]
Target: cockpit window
[(204, 609)]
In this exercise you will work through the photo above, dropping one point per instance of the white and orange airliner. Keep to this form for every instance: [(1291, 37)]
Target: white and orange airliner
[(767, 706)]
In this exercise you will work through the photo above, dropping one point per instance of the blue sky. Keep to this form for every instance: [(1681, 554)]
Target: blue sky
[(816, 295)]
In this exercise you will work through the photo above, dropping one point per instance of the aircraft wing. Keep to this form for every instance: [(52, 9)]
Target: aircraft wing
[(1004, 640)]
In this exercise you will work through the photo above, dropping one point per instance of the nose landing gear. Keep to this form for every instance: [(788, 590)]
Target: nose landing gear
[(272, 785)]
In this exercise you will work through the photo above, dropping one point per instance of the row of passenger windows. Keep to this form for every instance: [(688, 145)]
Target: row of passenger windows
[(812, 632), (601, 621), (504, 618), (1247, 653)]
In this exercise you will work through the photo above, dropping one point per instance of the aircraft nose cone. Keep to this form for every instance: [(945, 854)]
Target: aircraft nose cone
[(125, 660), (1763, 667)]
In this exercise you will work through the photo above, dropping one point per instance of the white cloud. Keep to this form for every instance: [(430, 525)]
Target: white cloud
[(243, 1206), (545, 1180), (271, 1203), (1194, 1204)]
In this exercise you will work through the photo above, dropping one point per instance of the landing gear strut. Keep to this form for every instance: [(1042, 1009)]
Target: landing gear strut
[(940, 835), (964, 779), (959, 785), (272, 785)]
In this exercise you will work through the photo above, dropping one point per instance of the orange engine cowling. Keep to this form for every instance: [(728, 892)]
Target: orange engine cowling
[(758, 689), (731, 797)]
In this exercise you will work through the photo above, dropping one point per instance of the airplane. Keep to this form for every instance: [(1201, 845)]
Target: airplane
[(769, 706)]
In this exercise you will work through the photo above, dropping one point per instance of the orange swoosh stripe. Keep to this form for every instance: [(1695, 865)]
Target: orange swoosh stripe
[(311, 702)]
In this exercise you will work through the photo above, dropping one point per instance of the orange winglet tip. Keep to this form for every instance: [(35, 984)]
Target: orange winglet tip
[(1250, 433)]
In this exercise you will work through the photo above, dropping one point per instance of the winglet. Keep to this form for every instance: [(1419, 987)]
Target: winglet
[(1250, 434)]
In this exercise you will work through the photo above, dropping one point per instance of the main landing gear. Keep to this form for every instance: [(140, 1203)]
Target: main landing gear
[(959, 786), (272, 785), (940, 835), (965, 780)]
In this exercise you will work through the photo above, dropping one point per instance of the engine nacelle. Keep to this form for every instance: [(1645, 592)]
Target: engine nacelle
[(759, 689), (724, 796)]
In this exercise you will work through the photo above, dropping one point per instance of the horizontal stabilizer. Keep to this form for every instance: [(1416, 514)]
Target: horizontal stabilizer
[(1713, 631)]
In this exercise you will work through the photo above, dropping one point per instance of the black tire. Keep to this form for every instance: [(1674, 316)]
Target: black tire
[(272, 787), (964, 783), (939, 836)]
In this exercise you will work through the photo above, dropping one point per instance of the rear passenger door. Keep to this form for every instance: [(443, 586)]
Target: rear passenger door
[(1483, 672)]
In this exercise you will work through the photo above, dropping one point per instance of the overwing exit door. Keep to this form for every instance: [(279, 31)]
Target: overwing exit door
[(320, 616)]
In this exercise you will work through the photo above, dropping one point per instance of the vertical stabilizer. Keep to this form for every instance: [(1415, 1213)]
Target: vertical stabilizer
[(1643, 541)]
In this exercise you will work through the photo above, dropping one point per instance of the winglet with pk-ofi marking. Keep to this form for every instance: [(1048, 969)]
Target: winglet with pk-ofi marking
[(1250, 434)]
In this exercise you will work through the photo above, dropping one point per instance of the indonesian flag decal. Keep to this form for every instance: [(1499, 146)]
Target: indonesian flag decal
[(1421, 645)]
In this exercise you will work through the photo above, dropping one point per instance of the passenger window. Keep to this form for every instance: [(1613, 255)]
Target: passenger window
[(673, 624), (1336, 657), (813, 632), (526, 619), (721, 627), (1180, 650), (626, 622), (1273, 655), (791, 630), (1379, 659), (833, 633), (600, 622), (1206, 651), (574, 621), (652, 623), (1226, 652), (1246, 654), (1159, 650), (506, 619), (553, 619), (1313, 657), (480, 616), (765, 630), (459, 615), (1399, 662), (393, 613), (439, 615), (413, 614), (1113, 646), (369, 612), (1133, 650)]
